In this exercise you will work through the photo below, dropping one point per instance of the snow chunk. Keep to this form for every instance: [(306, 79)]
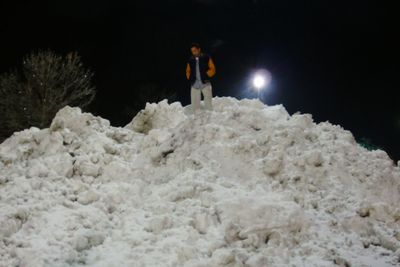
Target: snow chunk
[(155, 116)]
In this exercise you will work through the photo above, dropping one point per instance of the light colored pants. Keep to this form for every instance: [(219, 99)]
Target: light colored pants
[(196, 97)]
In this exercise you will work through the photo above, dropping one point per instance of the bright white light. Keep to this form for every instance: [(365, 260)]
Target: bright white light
[(259, 81)]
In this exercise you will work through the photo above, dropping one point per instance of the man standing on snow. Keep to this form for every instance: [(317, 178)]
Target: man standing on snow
[(199, 70)]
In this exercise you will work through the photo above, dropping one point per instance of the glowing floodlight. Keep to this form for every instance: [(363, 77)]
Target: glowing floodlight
[(258, 81), (261, 79)]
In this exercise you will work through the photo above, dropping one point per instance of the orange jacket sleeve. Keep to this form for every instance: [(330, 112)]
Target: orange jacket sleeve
[(211, 68), (188, 71)]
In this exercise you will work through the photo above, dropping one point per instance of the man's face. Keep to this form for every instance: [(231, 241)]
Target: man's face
[(195, 51)]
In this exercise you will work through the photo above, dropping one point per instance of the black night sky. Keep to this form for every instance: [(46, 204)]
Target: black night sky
[(337, 60)]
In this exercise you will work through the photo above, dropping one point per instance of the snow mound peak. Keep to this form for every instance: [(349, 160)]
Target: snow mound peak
[(243, 185)]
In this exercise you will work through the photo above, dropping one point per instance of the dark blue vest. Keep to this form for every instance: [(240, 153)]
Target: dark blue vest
[(203, 66)]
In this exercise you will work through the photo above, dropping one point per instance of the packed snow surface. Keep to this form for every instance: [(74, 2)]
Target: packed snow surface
[(243, 185)]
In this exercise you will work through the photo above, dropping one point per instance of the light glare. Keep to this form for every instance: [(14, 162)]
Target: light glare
[(259, 81)]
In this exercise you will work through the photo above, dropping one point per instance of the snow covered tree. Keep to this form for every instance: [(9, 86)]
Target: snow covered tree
[(46, 83)]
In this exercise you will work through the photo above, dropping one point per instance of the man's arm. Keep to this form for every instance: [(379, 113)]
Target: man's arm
[(211, 68), (188, 71)]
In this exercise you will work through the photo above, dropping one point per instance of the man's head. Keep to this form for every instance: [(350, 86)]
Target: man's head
[(195, 49)]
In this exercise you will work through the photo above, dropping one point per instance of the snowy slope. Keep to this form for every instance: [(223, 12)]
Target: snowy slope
[(244, 185)]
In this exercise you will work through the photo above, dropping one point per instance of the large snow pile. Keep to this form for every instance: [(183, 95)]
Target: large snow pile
[(243, 185)]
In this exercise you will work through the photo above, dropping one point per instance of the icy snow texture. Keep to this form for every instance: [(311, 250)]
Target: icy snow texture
[(243, 185)]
